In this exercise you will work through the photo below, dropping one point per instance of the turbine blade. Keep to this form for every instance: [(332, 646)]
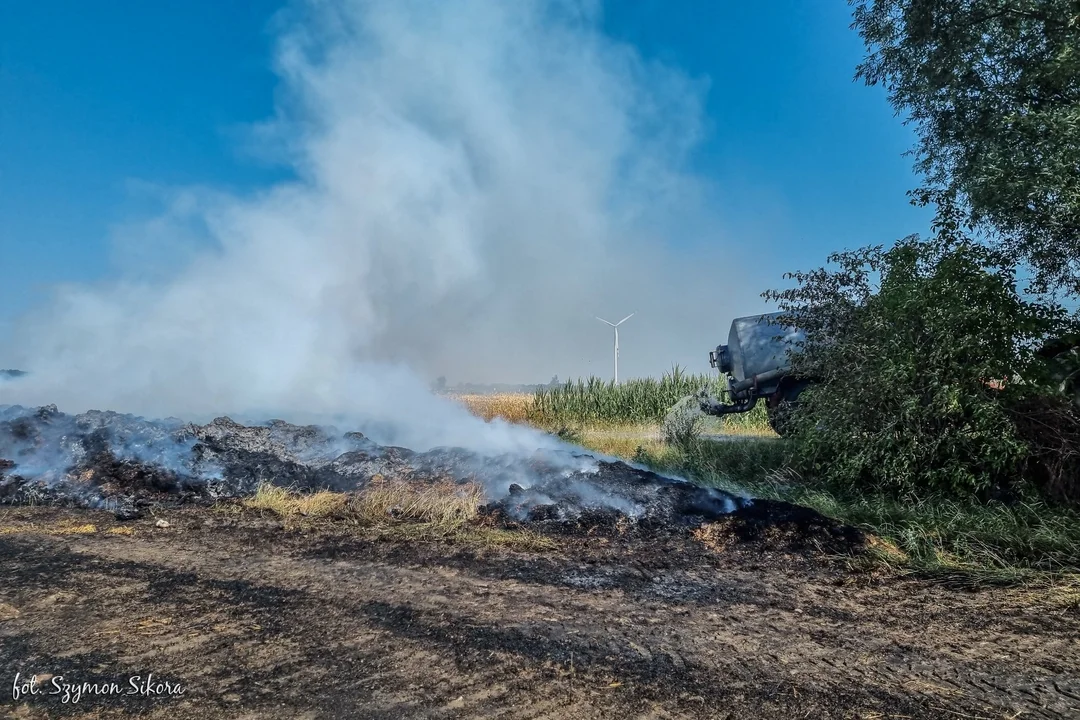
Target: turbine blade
[(604, 321), (626, 318)]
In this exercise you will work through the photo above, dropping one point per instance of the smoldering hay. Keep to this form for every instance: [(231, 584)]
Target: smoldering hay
[(124, 463), (471, 182)]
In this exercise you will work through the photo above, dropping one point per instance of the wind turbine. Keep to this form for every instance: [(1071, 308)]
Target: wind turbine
[(616, 326)]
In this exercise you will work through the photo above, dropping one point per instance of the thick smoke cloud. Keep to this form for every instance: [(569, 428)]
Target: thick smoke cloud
[(474, 181)]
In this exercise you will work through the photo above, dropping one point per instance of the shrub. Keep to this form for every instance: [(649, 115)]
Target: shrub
[(920, 352), (682, 425)]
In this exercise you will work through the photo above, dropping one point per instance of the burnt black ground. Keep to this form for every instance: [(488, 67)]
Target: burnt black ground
[(259, 620)]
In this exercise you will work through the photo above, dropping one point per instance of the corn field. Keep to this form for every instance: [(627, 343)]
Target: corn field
[(594, 401)]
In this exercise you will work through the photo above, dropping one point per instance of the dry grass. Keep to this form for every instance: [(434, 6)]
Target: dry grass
[(61, 527), (623, 443), (512, 407), (751, 427), (398, 510), (442, 504), (445, 504), (1060, 594), (73, 528), (287, 504), (715, 536), (887, 551)]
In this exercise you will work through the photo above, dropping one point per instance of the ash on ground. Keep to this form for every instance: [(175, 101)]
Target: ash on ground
[(124, 463)]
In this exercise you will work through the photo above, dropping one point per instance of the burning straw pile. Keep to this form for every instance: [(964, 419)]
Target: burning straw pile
[(126, 464)]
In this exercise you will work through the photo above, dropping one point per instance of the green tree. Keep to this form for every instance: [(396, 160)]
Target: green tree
[(993, 87)]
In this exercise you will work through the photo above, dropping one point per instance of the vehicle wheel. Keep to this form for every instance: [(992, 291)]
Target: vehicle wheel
[(780, 417)]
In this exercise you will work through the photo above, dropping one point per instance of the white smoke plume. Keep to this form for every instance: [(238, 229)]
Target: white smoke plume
[(474, 180)]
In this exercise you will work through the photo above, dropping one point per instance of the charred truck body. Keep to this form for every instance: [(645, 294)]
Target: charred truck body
[(757, 364)]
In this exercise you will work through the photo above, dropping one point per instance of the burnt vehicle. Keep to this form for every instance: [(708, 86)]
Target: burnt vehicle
[(757, 364)]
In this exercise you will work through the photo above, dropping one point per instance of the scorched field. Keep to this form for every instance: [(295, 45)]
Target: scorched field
[(280, 571)]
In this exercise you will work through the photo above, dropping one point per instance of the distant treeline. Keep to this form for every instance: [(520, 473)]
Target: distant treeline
[(12, 373)]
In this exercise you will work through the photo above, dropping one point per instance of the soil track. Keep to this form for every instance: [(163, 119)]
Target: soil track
[(256, 621)]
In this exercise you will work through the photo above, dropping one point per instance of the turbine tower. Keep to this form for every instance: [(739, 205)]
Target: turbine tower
[(616, 326)]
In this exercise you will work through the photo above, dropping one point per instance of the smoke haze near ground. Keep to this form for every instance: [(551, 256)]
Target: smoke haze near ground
[(475, 180)]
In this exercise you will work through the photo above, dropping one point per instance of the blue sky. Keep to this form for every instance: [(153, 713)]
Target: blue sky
[(100, 99)]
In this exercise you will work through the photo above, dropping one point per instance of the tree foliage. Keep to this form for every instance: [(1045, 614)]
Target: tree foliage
[(993, 87), (920, 352)]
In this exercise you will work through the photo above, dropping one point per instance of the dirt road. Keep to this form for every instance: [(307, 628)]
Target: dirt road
[(254, 621)]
